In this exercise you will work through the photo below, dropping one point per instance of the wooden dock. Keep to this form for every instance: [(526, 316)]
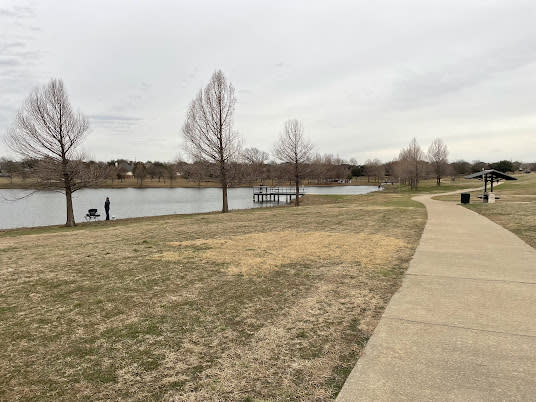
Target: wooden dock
[(275, 194)]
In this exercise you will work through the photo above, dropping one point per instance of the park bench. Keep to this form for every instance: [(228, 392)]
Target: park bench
[(92, 214)]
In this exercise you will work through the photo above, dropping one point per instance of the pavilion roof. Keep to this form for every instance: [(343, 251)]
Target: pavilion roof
[(490, 174)]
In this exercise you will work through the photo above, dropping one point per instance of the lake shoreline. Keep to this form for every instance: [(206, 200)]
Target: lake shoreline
[(47, 208), (83, 225), (99, 224)]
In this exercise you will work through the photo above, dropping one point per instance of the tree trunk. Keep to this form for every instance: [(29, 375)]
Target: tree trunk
[(68, 192), (225, 206), (70, 214), (297, 178)]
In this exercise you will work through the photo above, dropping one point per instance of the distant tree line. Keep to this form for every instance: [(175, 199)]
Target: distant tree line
[(320, 169)]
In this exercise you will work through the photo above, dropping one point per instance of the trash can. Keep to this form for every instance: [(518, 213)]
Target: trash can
[(466, 197)]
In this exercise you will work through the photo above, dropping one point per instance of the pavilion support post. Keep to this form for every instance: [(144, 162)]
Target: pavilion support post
[(485, 188)]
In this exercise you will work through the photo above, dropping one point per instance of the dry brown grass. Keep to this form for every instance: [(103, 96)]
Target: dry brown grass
[(178, 308), (260, 253)]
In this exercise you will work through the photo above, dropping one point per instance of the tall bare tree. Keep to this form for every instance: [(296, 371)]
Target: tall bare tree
[(47, 129), (208, 129), (411, 163), (294, 149), (437, 156)]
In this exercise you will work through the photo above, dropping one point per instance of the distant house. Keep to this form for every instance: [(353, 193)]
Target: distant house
[(125, 167)]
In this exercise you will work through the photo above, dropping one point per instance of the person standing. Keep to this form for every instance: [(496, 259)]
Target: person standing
[(107, 208)]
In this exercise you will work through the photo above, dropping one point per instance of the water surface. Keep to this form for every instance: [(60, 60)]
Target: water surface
[(48, 207)]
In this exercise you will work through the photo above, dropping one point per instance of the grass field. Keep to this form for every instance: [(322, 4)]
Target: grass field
[(515, 210), (257, 304), (430, 186)]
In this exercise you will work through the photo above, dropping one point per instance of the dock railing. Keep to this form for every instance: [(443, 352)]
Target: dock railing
[(274, 193)]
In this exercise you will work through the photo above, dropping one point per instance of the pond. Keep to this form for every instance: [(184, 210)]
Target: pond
[(48, 207)]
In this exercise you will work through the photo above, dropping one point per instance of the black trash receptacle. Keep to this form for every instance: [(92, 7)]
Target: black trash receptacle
[(466, 197)]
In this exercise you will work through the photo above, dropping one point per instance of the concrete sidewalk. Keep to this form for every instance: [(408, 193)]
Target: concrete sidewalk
[(463, 324)]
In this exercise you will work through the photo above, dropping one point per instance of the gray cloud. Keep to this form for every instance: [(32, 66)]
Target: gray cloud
[(18, 59), (113, 124), (17, 11), (107, 117), (5, 46), (4, 61), (421, 88)]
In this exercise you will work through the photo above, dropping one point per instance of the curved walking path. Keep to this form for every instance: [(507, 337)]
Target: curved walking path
[(463, 324)]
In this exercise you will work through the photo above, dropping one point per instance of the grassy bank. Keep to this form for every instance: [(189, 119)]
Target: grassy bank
[(267, 303), (515, 210)]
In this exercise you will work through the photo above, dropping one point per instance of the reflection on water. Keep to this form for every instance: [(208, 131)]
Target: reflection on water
[(48, 207)]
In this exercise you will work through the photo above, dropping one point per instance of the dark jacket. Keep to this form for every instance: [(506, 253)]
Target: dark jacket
[(107, 205)]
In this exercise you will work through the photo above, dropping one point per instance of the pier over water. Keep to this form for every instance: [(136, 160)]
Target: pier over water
[(275, 194)]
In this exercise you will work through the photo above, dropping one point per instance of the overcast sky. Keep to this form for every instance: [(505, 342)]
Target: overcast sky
[(364, 77)]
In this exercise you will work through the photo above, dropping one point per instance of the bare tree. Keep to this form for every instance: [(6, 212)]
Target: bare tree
[(9, 167), (255, 159), (172, 169), (255, 156), (295, 150), (437, 156), (140, 172), (411, 163), (208, 129), (47, 129), (374, 168)]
